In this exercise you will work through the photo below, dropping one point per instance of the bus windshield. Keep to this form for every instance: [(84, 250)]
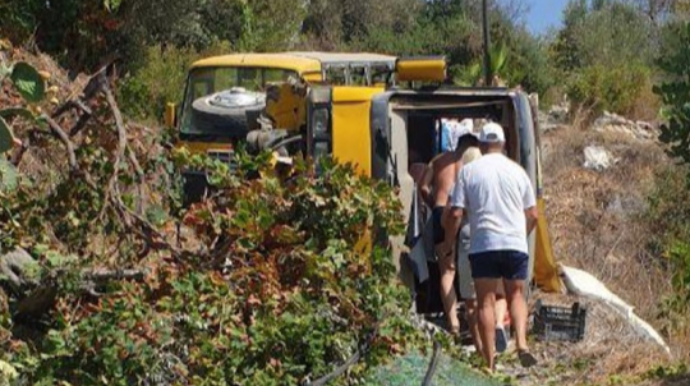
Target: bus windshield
[(208, 80)]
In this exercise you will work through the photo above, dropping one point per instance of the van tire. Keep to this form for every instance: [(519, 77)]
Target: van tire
[(229, 120)]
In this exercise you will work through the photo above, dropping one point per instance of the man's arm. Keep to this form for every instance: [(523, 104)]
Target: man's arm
[(453, 213), (529, 202), (531, 215), (453, 218), (425, 186)]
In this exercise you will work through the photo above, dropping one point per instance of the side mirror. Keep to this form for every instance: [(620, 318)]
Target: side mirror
[(170, 115)]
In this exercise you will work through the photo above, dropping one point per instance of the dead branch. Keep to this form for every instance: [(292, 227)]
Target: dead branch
[(145, 229), (19, 153), (57, 131), (135, 163), (81, 123), (105, 274), (121, 134)]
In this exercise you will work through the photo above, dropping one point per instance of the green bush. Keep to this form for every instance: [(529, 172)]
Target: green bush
[(671, 203), (669, 211), (284, 293), (161, 78), (617, 89)]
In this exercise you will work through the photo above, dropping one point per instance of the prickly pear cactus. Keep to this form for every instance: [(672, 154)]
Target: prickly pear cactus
[(5, 136), (31, 86)]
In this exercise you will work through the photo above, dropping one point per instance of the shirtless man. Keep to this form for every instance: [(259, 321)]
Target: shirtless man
[(437, 183)]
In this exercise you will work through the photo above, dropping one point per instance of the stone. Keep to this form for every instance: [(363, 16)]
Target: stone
[(598, 158), (614, 123)]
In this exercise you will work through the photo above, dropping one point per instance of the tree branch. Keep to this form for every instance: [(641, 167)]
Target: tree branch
[(57, 131)]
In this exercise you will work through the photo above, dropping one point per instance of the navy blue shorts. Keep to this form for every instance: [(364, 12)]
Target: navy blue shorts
[(509, 265)]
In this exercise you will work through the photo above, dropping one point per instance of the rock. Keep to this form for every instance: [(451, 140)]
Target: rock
[(598, 158), (614, 123), (559, 113), (13, 266), (556, 117)]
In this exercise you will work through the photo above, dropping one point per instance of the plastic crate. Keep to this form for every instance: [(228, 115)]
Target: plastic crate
[(553, 323)]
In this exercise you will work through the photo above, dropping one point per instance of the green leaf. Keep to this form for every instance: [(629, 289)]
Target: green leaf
[(157, 215), (6, 137), (4, 71), (16, 111), (28, 82), (8, 176)]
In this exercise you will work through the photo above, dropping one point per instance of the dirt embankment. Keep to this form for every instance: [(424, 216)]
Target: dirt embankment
[(597, 223)]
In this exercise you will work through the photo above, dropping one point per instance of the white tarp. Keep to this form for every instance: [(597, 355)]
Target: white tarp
[(582, 283)]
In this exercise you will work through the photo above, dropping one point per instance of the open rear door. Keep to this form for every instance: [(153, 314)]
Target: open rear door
[(545, 271)]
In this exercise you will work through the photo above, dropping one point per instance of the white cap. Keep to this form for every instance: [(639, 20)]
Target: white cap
[(492, 133)]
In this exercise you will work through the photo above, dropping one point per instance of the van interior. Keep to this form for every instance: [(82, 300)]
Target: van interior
[(414, 124)]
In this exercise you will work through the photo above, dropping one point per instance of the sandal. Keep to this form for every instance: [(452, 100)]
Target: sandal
[(526, 358)]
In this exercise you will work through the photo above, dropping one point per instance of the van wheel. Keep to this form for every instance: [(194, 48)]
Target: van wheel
[(231, 112)]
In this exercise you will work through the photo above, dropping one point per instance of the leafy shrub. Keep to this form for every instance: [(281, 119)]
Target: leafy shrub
[(143, 95), (669, 211), (616, 89), (675, 95), (671, 203), (283, 292)]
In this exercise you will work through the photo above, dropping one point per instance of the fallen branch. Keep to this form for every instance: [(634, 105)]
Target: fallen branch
[(57, 131), (105, 274), (19, 153), (81, 123)]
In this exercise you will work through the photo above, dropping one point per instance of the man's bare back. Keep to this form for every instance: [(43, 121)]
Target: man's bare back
[(440, 175)]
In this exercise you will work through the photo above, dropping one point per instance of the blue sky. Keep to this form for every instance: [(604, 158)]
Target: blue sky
[(544, 14)]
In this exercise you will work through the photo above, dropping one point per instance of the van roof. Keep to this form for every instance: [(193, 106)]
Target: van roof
[(300, 61)]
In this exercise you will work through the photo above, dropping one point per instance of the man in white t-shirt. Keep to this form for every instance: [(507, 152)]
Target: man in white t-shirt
[(497, 196)]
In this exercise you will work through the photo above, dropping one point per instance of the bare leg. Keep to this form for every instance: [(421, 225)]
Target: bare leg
[(500, 309), (501, 305), (448, 296), (473, 321), (486, 298), (515, 292)]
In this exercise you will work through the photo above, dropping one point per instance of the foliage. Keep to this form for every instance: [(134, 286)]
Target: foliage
[(675, 95), (29, 84), (605, 54), (402, 27), (617, 89), (283, 292), (671, 200), (669, 211), (142, 95)]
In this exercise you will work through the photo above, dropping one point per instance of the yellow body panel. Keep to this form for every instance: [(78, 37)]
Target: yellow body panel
[(431, 69), (545, 270), (351, 126), (284, 61), (203, 147), (287, 107), (169, 117)]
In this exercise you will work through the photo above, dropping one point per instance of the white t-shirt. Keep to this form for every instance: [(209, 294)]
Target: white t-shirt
[(494, 191)]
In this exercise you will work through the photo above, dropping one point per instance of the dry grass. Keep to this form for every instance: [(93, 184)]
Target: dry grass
[(597, 223), (596, 217)]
